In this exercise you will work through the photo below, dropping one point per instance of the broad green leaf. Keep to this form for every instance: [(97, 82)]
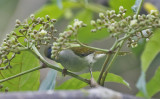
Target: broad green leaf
[(127, 4), (74, 83), (21, 63), (84, 34), (49, 82), (151, 50), (153, 86)]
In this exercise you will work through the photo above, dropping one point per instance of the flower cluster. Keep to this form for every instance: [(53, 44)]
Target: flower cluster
[(64, 39), (35, 31), (136, 27)]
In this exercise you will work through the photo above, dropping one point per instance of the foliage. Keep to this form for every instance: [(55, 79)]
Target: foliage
[(19, 52)]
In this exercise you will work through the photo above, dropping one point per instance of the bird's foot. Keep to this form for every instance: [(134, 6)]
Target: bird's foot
[(93, 83), (64, 72)]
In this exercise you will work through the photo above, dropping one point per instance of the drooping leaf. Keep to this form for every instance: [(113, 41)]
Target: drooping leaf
[(22, 62), (74, 83), (153, 86), (49, 81), (84, 34), (127, 4)]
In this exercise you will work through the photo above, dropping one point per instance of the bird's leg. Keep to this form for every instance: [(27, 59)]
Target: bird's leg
[(93, 83), (64, 72)]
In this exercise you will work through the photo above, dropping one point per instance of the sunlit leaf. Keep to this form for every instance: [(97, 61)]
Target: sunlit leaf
[(20, 63), (77, 84), (127, 4)]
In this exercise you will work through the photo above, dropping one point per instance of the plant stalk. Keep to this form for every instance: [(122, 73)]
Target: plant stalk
[(22, 73)]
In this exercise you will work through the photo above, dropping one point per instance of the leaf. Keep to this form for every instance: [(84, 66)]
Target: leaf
[(151, 50), (20, 63), (127, 4), (74, 83), (153, 82), (84, 34), (49, 82), (54, 11), (141, 84)]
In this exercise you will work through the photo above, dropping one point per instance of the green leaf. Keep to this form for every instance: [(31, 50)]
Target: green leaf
[(49, 81), (74, 83), (54, 11), (127, 4), (153, 82), (21, 63), (84, 34), (151, 50), (141, 84)]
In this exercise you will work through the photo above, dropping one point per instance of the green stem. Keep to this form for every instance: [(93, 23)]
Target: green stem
[(109, 66), (103, 68), (38, 55), (94, 48), (20, 74), (106, 61)]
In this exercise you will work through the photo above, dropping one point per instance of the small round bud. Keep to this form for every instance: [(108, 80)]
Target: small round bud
[(154, 12), (32, 35), (77, 23), (42, 32), (47, 17), (93, 23), (133, 22), (32, 16), (121, 8), (18, 21), (99, 21), (101, 15), (53, 20)]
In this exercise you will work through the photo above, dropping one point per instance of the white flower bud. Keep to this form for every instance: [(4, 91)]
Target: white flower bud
[(93, 22), (101, 15), (133, 22), (43, 32)]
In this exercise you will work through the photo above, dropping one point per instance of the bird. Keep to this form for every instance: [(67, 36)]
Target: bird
[(77, 59)]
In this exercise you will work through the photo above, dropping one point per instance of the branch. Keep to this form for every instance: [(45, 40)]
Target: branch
[(95, 93), (38, 55), (109, 66), (20, 74)]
